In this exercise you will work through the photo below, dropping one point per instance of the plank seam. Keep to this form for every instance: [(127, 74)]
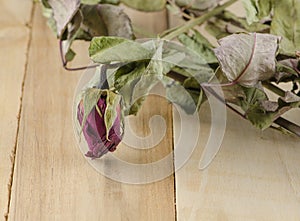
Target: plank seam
[(174, 169), (14, 151), (173, 135)]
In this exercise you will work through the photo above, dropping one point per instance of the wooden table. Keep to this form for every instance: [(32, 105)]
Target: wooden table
[(44, 176)]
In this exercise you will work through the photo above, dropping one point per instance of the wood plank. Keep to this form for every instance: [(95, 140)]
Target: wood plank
[(14, 38), (253, 177), (53, 181)]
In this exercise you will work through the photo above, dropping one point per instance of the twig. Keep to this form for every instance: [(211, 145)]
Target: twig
[(288, 125), (64, 62), (274, 88), (197, 21)]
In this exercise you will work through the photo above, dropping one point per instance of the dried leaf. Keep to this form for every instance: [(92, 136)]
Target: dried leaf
[(290, 97), (286, 69), (248, 58), (63, 12), (269, 105), (116, 21)]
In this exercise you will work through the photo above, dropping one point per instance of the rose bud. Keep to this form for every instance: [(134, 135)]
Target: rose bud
[(95, 132)]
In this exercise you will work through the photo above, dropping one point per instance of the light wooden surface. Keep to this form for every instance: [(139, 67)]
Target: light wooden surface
[(255, 176), (52, 180), (14, 39)]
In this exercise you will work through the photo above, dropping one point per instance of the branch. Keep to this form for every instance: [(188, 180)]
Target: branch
[(197, 21)]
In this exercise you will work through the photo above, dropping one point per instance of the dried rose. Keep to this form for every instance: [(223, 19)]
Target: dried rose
[(95, 127)]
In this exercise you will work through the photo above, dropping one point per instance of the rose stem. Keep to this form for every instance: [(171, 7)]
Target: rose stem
[(290, 126), (64, 62), (197, 21), (274, 89)]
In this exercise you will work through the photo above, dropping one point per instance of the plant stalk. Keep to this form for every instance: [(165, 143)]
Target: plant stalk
[(290, 126), (274, 89), (197, 21)]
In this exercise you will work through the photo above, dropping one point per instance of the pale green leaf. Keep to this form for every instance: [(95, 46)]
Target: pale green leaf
[(242, 23), (111, 112), (286, 23), (126, 77), (177, 94), (90, 98), (200, 45), (257, 9), (115, 49)]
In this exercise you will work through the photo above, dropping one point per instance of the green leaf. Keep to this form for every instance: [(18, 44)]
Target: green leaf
[(286, 23), (111, 112), (192, 86), (254, 111), (145, 5), (242, 22), (220, 28), (248, 58), (126, 77), (260, 118), (177, 94), (92, 24), (257, 9), (253, 98), (199, 45), (90, 98), (261, 112), (69, 56), (153, 73), (137, 84), (115, 49)]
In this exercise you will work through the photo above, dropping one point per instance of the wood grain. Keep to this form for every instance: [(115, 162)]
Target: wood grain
[(14, 38), (253, 177), (52, 180)]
